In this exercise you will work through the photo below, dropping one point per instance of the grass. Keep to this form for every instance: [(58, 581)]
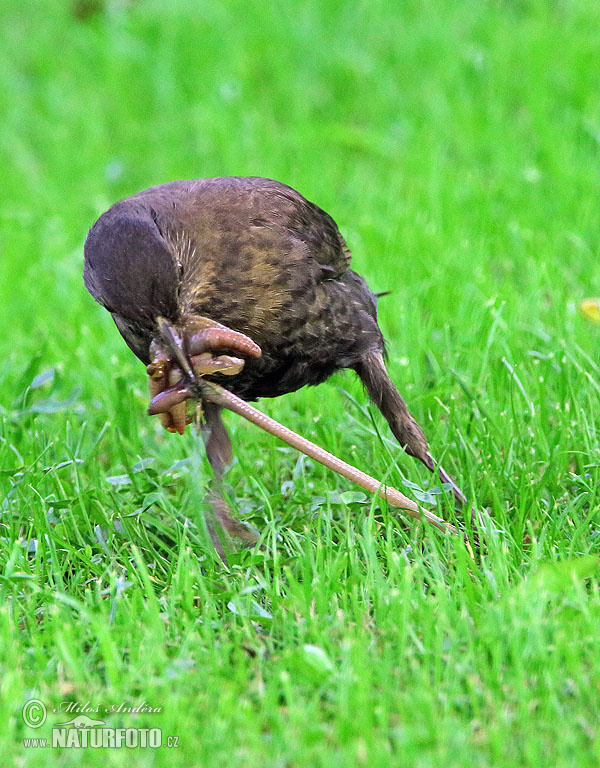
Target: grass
[(457, 146)]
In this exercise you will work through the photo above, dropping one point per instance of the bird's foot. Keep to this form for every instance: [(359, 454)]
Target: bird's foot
[(200, 340)]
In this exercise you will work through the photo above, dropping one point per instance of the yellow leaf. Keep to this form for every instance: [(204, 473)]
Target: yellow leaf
[(590, 308)]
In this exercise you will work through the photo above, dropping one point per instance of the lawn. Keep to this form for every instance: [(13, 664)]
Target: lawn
[(457, 145)]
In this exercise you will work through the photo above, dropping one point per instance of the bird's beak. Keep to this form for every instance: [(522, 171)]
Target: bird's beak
[(170, 368), (175, 348), (179, 360)]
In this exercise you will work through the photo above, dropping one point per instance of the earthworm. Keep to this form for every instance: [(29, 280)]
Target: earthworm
[(211, 339), (216, 394)]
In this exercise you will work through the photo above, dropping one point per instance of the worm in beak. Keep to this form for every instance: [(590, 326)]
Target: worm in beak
[(178, 359)]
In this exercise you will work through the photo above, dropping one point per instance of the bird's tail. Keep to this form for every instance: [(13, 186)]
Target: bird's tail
[(406, 430), (383, 393)]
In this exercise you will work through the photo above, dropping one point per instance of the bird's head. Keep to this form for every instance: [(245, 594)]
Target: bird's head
[(132, 270)]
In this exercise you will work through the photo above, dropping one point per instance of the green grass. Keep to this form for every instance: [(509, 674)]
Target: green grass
[(457, 145)]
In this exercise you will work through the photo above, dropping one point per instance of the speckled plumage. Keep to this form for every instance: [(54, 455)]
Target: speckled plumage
[(250, 253)]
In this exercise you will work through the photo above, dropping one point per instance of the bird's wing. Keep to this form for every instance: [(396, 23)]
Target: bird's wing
[(287, 210), (213, 212)]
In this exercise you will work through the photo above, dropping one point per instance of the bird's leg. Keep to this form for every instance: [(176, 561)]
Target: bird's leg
[(179, 360), (219, 454), (383, 393), (216, 440)]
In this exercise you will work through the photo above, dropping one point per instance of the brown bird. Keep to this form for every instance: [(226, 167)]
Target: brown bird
[(252, 283)]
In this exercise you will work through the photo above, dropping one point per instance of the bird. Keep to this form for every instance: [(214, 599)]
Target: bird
[(253, 282)]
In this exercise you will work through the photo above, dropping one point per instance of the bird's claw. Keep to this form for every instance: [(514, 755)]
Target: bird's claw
[(169, 393)]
